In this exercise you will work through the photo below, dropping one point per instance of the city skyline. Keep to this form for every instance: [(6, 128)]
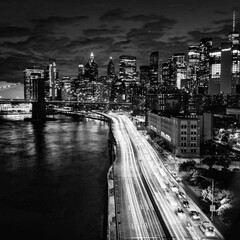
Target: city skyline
[(69, 31)]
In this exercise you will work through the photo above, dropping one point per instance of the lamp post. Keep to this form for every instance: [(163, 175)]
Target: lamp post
[(212, 207)]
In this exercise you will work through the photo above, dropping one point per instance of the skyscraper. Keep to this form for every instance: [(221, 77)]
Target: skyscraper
[(169, 74), (128, 68), (230, 63), (215, 71), (111, 69), (226, 84), (154, 59), (145, 76), (81, 72), (193, 65), (91, 69), (233, 36), (181, 68), (204, 66)]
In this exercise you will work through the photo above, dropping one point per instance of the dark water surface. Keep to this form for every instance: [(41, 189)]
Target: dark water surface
[(53, 179)]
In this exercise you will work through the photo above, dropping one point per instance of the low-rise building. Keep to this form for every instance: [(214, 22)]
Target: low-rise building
[(183, 135)]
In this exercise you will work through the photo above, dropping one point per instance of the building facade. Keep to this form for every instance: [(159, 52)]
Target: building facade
[(182, 135), (154, 60), (127, 68)]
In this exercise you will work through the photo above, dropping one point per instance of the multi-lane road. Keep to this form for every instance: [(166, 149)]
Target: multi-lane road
[(149, 201)]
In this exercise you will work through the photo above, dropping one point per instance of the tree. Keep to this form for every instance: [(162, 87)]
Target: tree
[(187, 166)]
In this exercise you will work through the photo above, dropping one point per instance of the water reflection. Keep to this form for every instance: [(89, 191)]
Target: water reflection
[(53, 178)]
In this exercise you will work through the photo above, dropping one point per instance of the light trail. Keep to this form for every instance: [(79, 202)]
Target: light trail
[(144, 221)]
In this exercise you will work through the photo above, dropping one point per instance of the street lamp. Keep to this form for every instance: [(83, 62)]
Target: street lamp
[(212, 207)]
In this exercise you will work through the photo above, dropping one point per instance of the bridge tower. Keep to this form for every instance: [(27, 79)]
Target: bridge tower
[(38, 107)]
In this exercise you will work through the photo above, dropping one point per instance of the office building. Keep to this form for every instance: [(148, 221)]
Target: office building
[(193, 66), (169, 74), (204, 66), (154, 59), (128, 68), (81, 72), (215, 71), (181, 68), (145, 76)]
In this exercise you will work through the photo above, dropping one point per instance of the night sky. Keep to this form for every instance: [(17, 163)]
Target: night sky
[(31, 32)]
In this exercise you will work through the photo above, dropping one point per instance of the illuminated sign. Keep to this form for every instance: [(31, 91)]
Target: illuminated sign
[(226, 49), (166, 136)]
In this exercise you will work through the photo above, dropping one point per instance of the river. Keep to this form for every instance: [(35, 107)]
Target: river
[(53, 179)]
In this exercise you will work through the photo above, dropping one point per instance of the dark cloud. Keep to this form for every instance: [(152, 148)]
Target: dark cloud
[(113, 15), (101, 31), (37, 46), (58, 20), (12, 67), (150, 32), (11, 31), (144, 18), (221, 12), (223, 21)]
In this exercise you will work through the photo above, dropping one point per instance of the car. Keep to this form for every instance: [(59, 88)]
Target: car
[(207, 229), (178, 179), (185, 204), (195, 215), (180, 212), (174, 188), (181, 195)]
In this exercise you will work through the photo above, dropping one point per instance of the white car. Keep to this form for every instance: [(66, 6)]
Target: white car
[(207, 229)]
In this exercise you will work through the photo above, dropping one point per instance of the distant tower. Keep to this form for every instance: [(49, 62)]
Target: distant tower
[(111, 69), (154, 59), (233, 36), (91, 69)]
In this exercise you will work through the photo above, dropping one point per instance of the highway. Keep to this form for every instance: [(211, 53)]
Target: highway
[(148, 193), (138, 219)]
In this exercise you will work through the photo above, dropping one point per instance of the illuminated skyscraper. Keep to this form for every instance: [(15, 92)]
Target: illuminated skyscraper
[(204, 66), (215, 71), (111, 69), (91, 69), (154, 59), (127, 68), (81, 72), (169, 74), (193, 65), (181, 68), (230, 64), (233, 36)]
